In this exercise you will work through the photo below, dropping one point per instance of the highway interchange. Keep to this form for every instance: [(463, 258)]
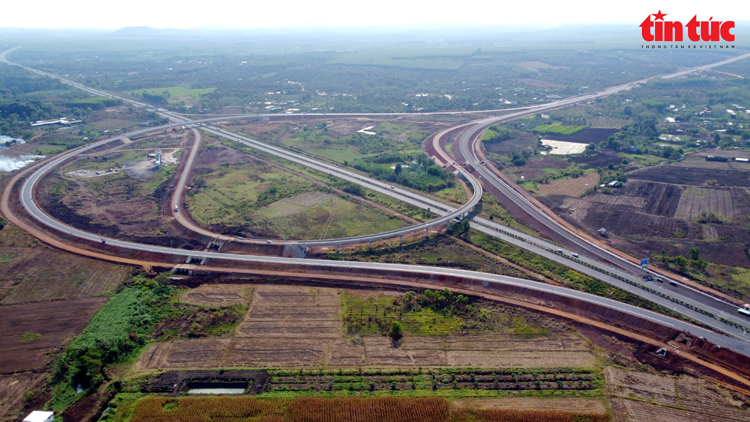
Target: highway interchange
[(738, 340)]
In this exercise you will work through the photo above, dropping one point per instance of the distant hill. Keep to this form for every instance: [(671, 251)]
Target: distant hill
[(145, 31)]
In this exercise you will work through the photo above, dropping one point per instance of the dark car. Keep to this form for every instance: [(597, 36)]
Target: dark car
[(648, 278), (660, 280)]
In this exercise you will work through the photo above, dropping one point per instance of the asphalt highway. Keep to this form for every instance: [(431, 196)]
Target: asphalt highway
[(738, 342), (467, 144)]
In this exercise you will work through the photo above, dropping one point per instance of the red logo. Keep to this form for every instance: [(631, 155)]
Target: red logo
[(661, 30)]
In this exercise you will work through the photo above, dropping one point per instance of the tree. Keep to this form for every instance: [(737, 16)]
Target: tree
[(398, 169), (396, 331), (681, 261), (695, 253)]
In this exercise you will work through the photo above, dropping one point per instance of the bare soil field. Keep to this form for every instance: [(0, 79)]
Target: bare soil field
[(577, 405), (29, 332), (30, 272), (586, 136), (696, 200), (110, 205), (13, 392), (600, 159), (573, 187), (214, 153), (535, 167), (644, 217), (698, 160), (302, 327), (113, 124), (521, 140), (123, 204), (692, 176), (218, 295), (639, 396), (176, 140)]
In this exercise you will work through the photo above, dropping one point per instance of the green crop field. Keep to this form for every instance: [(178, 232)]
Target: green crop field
[(178, 92), (558, 129)]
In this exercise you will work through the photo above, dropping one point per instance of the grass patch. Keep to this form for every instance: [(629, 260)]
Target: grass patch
[(440, 251), (492, 210), (384, 200), (265, 201), (115, 159), (558, 129), (50, 149), (28, 336), (178, 93), (455, 194), (431, 313), (522, 327), (376, 315), (227, 195)]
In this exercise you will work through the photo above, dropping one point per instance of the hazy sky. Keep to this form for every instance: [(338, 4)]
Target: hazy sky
[(328, 13)]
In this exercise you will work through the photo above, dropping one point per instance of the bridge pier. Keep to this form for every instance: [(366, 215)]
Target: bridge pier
[(427, 233), (371, 245), (401, 240), (338, 248)]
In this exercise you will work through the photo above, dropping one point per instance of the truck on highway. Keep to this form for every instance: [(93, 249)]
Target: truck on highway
[(745, 310)]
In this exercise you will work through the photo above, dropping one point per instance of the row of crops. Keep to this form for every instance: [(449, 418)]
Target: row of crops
[(392, 409)]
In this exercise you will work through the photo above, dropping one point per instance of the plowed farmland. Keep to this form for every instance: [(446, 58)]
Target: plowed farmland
[(645, 216), (637, 396), (693, 176), (30, 272), (218, 295), (302, 327), (29, 331)]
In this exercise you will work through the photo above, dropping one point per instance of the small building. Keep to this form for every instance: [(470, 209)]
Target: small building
[(669, 119), (603, 231), (40, 416), (741, 160), (613, 183)]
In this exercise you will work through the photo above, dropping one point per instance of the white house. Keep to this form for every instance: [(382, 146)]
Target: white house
[(40, 416)]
